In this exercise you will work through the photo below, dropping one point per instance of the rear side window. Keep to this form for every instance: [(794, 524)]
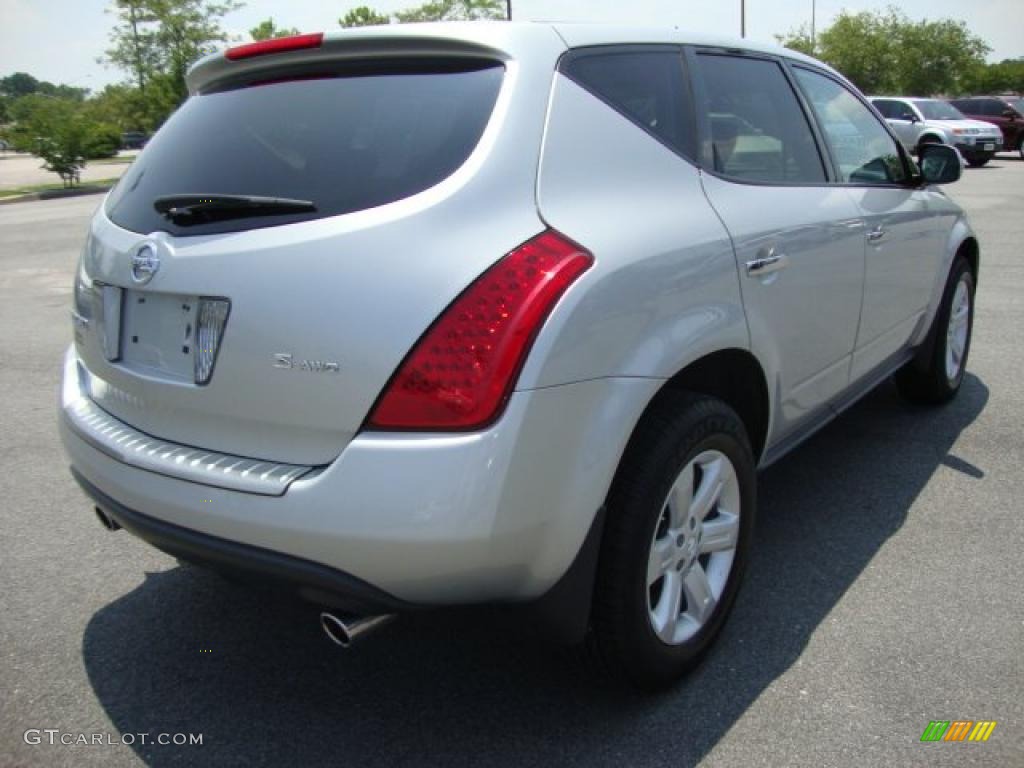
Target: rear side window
[(992, 107), (757, 129), (346, 142), (645, 86)]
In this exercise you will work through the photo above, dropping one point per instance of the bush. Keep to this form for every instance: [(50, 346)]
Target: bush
[(60, 132), (103, 140)]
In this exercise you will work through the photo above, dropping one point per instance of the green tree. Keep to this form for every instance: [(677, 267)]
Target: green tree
[(1001, 77), (268, 30), (886, 52), (798, 39), (124, 106), (933, 56), (156, 41), (133, 44), (18, 84), (363, 16), (60, 133), (453, 10), (863, 47)]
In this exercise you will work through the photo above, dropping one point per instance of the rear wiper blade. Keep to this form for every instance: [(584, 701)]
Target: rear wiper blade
[(200, 209)]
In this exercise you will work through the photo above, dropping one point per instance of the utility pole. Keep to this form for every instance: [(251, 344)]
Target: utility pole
[(743, 18), (508, 9), (813, 37)]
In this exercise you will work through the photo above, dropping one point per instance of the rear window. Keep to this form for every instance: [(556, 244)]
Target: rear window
[(345, 142)]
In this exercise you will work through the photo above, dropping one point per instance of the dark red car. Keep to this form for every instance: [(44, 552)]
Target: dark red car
[(1005, 111)]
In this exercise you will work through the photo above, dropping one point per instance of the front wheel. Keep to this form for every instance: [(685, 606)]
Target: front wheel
[(978, 162), (680, 519), (935, 375)]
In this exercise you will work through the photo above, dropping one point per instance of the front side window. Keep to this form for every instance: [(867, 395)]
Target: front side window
[(932, 109), (904, 111), (863, 149), (757, 129)]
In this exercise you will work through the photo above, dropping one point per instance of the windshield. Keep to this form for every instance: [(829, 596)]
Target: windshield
[(938, 110), (340, 143), (1017, 104)]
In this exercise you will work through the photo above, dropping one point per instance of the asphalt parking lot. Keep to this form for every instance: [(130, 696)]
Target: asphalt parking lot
[(885, 592)]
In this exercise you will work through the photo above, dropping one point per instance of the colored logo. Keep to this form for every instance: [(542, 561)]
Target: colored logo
[(958, 730)]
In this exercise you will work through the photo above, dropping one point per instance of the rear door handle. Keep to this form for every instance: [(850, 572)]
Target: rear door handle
[(875, 235), (765, 265)]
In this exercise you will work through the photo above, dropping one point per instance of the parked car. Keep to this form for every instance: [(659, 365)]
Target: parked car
[(1003, 111), (923, 121), (500, 313), (133, 140)]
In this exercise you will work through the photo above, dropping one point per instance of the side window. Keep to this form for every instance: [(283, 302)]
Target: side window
[(756, 127), (886, 108), (889, 109), (863, 149), (992, 107), (903, 110), (646, 87)]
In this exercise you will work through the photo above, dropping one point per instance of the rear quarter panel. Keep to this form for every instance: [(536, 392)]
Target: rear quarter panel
[(664, 289)]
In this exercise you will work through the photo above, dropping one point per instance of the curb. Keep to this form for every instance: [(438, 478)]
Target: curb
[(56, 194)]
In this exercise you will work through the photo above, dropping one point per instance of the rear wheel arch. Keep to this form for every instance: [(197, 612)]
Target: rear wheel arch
[(735, 377)]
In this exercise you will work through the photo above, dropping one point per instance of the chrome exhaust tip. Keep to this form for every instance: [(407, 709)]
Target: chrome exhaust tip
[(107, 521), (342, 629)]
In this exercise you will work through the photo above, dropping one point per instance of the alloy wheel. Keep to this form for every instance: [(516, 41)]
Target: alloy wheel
[(693, 547)]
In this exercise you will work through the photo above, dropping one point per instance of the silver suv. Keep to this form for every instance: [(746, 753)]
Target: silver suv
[(917, 122), (501, 313)]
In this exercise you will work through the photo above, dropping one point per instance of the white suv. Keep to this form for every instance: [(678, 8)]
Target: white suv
[(459, 314)]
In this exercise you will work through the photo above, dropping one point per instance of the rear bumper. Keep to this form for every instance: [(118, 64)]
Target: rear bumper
[(310, 581), (423, 519)]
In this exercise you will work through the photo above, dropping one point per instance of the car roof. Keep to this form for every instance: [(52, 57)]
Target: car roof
[(502, 38), (908, 98)]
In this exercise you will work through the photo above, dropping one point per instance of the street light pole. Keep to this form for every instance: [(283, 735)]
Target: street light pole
[(743, 18), (508, 9), (813, 37)]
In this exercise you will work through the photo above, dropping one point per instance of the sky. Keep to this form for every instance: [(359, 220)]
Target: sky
[(61, 40)]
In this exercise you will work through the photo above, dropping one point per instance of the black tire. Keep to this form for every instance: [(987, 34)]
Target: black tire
[(925, 379), (978, 162), (677, 428)]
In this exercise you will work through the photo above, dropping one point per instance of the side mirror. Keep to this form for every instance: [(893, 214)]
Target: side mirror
[(909, 116), (940, 164)]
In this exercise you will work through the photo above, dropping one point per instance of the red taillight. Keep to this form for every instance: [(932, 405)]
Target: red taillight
[(277, 45), (461, 372)]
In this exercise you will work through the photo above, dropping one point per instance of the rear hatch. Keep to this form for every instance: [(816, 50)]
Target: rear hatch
[(323, 207)]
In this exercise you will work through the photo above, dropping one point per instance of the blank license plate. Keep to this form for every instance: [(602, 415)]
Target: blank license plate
[(158, 332)]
